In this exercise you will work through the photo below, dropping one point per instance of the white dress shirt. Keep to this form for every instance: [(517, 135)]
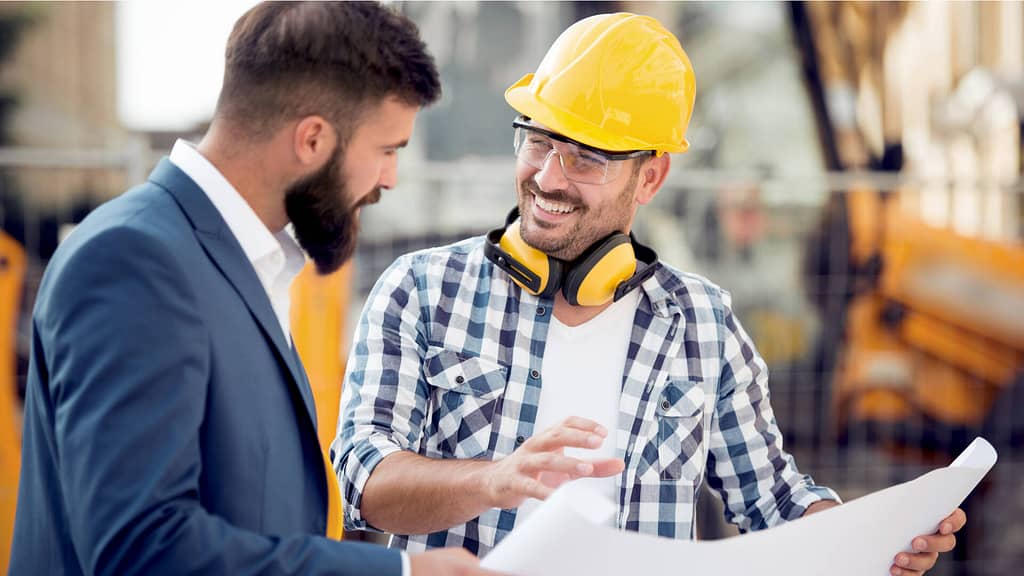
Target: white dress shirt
[(276, 258)]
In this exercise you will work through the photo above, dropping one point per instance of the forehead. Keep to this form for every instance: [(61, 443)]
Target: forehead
[(391, 118)]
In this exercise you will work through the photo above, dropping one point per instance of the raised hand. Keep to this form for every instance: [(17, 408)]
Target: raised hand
[(540, 465)]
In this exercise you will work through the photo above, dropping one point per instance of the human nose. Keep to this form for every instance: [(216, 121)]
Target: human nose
[(389, 174), (551, 175)]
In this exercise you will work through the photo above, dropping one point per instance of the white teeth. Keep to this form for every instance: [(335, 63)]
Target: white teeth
[(555, 207)]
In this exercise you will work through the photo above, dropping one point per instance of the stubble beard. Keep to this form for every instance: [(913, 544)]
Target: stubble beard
[(586, 229)]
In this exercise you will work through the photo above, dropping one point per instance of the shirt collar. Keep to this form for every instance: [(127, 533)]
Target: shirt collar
[(257, 241), (660, 290), (294, 257)]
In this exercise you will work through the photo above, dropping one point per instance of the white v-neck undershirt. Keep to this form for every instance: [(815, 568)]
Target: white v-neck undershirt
[(581, 375)]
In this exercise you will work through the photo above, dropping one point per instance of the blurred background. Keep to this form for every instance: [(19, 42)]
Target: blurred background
[(854, 179)]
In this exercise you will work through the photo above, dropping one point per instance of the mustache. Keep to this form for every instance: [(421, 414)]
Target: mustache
[(560, 196), (371, 198)]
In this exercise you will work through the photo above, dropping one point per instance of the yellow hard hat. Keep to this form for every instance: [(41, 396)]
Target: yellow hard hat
[(613, 81)]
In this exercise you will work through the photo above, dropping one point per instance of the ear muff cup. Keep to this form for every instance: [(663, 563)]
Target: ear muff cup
[(606, 271), (533, 270), (545, 272), (592, 278)]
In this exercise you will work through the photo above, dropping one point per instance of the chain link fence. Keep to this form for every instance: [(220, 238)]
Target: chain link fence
[(811, 280)]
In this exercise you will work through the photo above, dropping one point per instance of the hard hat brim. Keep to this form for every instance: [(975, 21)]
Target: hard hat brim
[(524, 99)]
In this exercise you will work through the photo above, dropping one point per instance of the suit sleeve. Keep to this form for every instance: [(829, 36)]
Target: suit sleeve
[(128, 357)]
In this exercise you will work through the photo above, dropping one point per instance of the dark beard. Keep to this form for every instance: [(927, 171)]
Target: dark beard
[(325, 224)]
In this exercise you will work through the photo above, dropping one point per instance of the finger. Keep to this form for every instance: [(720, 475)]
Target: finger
[(585, 424), (553, 479), (954, 522), (897, 571), (553, 462), (563, 437), (934, 543), (606, 468), (915, 563), (532, 488)]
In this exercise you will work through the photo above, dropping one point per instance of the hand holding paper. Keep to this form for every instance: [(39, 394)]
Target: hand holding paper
[(859, 538)]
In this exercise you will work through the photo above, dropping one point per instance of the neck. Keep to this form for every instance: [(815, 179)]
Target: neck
[(249, 169), (575, 315)]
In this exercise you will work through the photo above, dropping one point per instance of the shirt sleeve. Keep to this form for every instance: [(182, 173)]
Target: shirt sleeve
[(758, 480), (384, 396)]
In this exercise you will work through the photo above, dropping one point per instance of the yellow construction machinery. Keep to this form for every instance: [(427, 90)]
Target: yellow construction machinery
[(12, 274), (934, 326), (318, 322), (318, 319)]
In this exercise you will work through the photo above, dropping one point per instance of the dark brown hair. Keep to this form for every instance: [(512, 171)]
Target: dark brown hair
[(288, 60)]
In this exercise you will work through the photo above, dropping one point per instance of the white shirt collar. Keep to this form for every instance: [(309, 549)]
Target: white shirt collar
[(276, 257), (256, 239)]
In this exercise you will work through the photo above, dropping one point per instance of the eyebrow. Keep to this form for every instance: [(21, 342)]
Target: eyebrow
[(525, 122), (401, 144)]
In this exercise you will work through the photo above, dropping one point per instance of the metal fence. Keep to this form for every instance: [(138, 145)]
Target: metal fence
[(811, 279)]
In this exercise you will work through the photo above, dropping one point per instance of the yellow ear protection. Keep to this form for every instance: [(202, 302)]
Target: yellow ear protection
[(605, 271)]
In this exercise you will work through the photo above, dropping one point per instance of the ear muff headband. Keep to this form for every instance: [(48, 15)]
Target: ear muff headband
[(606, 271)]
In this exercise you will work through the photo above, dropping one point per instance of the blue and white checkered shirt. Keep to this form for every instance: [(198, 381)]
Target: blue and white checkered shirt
[(447, 363)]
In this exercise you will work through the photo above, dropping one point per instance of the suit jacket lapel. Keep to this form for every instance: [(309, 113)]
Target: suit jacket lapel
[(222, 247)]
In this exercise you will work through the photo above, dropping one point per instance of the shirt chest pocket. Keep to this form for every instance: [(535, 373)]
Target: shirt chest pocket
[(680, 413), (466, 393)]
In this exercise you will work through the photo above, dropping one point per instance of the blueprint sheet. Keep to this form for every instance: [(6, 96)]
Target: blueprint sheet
[(568, 534)]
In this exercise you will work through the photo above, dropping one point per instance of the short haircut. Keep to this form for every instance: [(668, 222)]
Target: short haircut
[(289, 60)]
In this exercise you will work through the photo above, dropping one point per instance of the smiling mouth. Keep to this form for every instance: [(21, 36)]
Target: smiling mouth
[(553, 207)]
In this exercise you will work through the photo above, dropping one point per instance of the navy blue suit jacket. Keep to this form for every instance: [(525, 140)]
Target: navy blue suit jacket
[(169, 427)]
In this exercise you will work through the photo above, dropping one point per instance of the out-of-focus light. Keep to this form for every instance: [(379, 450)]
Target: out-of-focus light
[(170, 59)]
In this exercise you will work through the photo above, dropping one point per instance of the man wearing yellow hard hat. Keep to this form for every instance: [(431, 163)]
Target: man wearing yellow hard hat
[(558, 348)]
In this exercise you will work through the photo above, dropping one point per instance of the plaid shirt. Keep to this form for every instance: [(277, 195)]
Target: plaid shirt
[(446, 363)]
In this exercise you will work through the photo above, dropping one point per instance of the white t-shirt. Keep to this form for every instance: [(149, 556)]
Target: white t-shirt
[(581, 375)]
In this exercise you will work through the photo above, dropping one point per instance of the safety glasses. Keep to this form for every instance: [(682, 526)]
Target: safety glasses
[(580, 163)]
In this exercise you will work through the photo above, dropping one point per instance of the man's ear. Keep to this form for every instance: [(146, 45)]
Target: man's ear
[(652, 175), (313, 141)]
